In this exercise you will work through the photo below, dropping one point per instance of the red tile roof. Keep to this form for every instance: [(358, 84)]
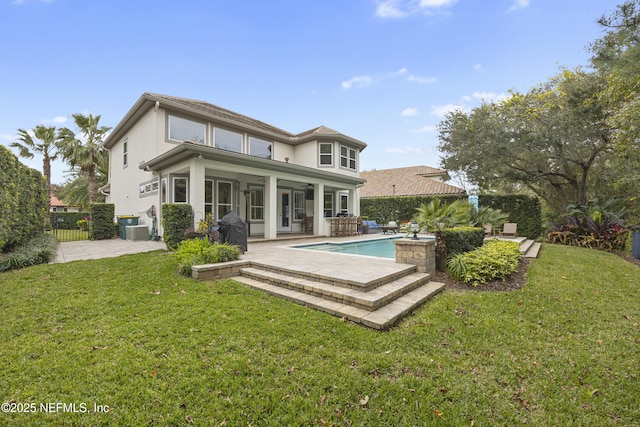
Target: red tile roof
[(409, 181)]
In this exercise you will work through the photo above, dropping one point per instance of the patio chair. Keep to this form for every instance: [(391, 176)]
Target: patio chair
[(488, 230), (509, 229)]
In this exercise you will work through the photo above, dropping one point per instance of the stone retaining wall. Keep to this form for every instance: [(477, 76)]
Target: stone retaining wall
[(421, 253)]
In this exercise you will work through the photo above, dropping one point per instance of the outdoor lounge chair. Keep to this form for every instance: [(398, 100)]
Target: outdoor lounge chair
[(509, 229), (488, 230)]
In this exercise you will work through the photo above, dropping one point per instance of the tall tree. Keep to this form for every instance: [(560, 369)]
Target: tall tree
[(549, 140), (45, 144), (84, 151)]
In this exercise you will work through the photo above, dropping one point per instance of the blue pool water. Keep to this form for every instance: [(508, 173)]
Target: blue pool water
[(384, 248)]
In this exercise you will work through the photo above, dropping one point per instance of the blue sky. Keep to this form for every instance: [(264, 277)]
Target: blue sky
[(382, 71)]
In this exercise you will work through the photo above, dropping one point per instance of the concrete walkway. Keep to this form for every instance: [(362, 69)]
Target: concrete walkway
[(96, 249)]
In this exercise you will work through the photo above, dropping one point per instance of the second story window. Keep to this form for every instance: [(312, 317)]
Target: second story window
[(186, 130), (125, 152), (260, 148), (348, 158), (326, 154), (227, 140)]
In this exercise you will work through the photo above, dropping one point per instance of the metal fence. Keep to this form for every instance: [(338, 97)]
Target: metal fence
[(65, 230)]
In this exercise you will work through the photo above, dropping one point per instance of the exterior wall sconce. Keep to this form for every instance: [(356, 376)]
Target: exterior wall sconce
[(414, 227)]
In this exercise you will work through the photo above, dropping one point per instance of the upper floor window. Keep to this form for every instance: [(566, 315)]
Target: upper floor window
[(227, 140), (326, 153), (260, 148), (125, 152), (348, 157), (186, 130)]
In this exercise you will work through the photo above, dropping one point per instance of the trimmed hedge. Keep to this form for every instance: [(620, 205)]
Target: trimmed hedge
[(176, 218), (23, 201), (101, 224), (462, 239), (523, 210), (67, 220), (385, 209)]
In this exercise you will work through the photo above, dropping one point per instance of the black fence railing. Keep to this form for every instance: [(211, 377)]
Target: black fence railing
[(68, 229)]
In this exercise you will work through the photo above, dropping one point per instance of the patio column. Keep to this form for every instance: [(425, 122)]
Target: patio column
[(270, 207), (354, 202), (318, 209), (196, 189)]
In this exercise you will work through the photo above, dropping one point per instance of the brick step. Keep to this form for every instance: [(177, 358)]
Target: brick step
[(381, 318), (335, 280), (368, 300)]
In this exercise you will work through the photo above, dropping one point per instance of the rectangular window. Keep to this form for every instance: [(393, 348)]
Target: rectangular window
[(208, 196), (186, 130), (225, 198), (257, 204), (260, 148), (328, 205), (227, 140), (298, 205), (180, 190), (163, 191), (326, 153), (125, 152), (344, 203), (348, 157)]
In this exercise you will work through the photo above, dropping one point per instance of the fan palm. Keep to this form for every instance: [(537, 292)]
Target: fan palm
[(47, 146), (84, 151)]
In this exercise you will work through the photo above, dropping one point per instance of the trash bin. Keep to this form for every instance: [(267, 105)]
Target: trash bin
[(124, 221), (635, 245), (233, 230)]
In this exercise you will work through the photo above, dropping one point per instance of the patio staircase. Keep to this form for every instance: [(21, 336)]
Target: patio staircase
[(528, 247), (378, 304)]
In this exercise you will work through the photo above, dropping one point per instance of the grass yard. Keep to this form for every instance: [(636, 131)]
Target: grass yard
[(63, 235), (156, 348)]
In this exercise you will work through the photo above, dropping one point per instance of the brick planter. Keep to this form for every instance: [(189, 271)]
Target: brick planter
[(421, 253)]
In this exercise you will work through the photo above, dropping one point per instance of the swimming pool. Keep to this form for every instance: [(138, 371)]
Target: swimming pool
[(384, 248)]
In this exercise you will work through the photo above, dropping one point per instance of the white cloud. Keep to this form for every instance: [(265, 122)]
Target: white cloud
[(490, 96), (400, 72), (409, 112), (478, 67), (425, 129), (519, 4), (404, 150), (423, 80), (442, 110), (7, 137), (389, 10), (396, 9), (56, 120), (358, 81)]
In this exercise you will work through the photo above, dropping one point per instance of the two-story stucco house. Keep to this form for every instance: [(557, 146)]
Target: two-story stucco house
[(175, 150)]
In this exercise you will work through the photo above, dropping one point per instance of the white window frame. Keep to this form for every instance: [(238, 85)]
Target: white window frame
[(348, 160), (200, 124), (321, 154), (254, 140), (344, 203), (125, 153), (254, 208), (217, 199), (298, 210), (324, 205), (222, 131), (209, 206), (173, 193)]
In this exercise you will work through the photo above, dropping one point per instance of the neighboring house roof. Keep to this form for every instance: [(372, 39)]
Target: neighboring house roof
[(213, 112), (409, 181), (55, 202)]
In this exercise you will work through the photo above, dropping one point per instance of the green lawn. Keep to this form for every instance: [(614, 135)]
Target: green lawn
[(161, 349), (63, 235)]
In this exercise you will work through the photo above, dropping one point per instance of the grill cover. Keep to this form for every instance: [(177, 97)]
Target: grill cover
[(233, 230)]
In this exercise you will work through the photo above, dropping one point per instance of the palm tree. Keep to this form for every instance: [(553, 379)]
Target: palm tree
[(48, 147), (84, 152)]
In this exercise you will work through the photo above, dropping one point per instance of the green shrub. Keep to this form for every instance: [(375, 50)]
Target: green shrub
[(523, 210), (176, 218), (385, 209), (39, 250), (496, 259), (23, 201), (101, 225), (200, 251), (462, 239), (67, 220)]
